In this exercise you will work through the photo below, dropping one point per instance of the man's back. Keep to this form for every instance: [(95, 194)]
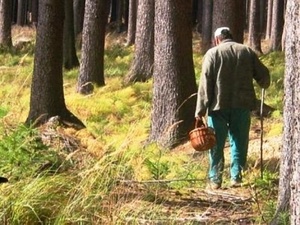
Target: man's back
[(231, 68)]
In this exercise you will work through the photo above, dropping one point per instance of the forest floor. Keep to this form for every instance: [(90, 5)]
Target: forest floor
[(227, 205), (200, 206), (223, 206), (231, 205)]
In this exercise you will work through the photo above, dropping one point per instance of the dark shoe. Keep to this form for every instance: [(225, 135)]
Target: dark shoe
[(213, 186), (236, 183)]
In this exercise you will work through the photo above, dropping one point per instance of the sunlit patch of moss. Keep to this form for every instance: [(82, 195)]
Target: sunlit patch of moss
[(275, 129), (71, 74), (3, 111), (117, 60)]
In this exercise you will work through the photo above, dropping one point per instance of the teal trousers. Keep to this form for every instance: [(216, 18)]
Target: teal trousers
[(234, 124)]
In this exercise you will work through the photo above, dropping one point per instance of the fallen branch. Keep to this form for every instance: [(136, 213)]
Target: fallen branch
[(157, 181)]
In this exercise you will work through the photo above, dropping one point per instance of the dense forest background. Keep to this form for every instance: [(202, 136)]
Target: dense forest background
[(107, 96)]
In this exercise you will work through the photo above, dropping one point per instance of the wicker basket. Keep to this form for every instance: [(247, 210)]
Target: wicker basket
[(202, 138)]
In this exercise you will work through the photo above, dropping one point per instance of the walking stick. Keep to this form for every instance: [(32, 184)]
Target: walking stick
[(261, 131)]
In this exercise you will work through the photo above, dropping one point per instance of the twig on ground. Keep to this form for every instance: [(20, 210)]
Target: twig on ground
[(158, 181)]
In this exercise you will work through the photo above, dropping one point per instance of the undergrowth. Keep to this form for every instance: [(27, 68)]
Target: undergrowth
[(105, 174)]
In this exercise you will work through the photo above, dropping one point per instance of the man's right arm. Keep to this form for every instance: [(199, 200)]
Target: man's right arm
[(261, 73)]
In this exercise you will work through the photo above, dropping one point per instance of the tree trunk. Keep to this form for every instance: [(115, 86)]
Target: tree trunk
[(133, 4), (34, 11), (47, 96), (269, 19), (199, 15), (70, 57), (240, 20), (93, 38), (254, 26), (14, 11), (78, 16), (5, 24), (126, 13), (113, 11), (206, 26), (120, 10), (21, 19), (174, 79), (289, 189), (277, 25), (262, 18), (230, 13), (194, 12), (142, 65)]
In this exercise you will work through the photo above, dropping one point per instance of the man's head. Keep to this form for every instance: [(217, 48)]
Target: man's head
[(221, 34)]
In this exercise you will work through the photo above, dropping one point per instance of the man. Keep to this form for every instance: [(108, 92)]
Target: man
[(226, 93)]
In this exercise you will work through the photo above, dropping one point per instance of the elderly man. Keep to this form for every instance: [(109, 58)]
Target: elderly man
[(226, 94)]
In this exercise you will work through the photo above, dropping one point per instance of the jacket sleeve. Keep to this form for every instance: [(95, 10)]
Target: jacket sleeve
[(206, 87), (261, 73)]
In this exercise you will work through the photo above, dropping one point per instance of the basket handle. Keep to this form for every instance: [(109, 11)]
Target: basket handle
[(200, 122)]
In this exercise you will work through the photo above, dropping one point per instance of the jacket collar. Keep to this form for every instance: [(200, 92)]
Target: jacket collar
[(227, 40)]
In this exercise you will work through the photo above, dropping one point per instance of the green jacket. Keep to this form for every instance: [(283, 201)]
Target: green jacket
[(227, 77)]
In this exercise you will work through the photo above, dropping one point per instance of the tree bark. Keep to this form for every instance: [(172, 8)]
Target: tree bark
[(206, 26), (5, 24), (254, 26), (262, 18), (21, 15), (142, 65), (277, 25), (93, 39), (34, 12), (113, 11), (78, 16), (14, 11), (133, 4), (199, 15), (173, 78), (47, 96), (269, 19), (230, 13), (70, 57), (289, 189), (120, 13)]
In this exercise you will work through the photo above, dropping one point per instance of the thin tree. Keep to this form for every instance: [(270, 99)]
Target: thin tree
[(34, 12), (269, 19), (70, 57), (173, 78), (22, 11), (254, 26), (206, 33), (263, 17), (113, 11), (132, 22), (120, 15), (5, 23), (47, 95), (78, 16), (93, 39), (199, 15), (289, 189), (14, 9), (142, 65), (277, 25), (240, 20)]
